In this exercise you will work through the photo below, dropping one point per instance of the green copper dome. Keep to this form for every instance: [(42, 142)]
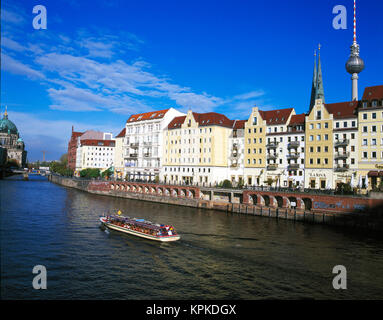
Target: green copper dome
[(7, 125)]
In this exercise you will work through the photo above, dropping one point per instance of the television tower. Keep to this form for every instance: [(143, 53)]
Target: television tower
[(354, 63)]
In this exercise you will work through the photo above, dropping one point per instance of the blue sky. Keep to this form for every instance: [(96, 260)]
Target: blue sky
[(100, 61)]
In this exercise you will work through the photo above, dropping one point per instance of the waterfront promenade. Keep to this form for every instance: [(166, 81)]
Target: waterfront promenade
[(351, 211)]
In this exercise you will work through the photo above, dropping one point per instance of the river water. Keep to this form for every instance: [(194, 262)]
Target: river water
[(220, 255)]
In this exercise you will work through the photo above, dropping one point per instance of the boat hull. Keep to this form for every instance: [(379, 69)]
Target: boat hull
[(140, 234)]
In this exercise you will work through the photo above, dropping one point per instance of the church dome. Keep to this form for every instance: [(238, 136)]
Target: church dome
[(7, 125)]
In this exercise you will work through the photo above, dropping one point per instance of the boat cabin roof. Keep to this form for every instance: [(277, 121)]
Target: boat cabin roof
[(139, 222)]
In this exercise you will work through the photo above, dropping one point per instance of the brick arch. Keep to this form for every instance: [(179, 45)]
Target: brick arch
[(279, 200), (307, 203), (286, 202), (174, 192)]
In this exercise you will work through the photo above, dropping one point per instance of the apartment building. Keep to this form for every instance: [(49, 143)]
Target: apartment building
[(119, 155), (345, 142), (196, 149), (95, 150), (295, 149), (370, 136), (236, 153), (255, 148), (276, 145), (319, 147), (143, 143)]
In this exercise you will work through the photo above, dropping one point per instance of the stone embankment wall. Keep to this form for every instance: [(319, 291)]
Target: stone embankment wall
[(332, 210)]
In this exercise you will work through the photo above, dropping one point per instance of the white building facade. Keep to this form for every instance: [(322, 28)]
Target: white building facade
[(95, 150), (143, 143)]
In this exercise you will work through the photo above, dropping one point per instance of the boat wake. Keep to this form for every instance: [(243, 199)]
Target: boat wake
[(220, 236)]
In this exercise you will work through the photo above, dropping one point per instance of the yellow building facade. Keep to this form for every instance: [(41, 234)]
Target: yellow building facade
[(255, 149), (370, 132), (319, 147), (195, 149)]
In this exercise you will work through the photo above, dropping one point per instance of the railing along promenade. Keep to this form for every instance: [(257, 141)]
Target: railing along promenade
[(297, 204), (213, 186)]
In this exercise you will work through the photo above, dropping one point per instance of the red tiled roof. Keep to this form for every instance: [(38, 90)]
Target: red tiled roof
[(203, 119), (147, 115), (342, 110), (273, 117), (122, 133), (297, 119), (176, 122), (372, 93), (239, 124), (105, 143)]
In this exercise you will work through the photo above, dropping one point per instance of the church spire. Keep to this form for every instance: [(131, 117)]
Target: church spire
[(313, 87), (319, 92)]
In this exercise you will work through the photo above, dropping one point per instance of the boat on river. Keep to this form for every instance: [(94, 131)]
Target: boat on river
[(140, 228)]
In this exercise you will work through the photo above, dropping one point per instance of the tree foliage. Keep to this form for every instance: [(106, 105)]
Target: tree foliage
[(60, 168), (90, 173)]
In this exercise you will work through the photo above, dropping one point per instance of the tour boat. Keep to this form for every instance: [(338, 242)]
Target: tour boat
[(140, 228)]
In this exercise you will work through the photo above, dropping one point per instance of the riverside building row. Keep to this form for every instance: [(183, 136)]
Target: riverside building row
[(331, 144)]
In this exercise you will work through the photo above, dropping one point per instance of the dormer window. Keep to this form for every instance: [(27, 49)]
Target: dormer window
[(374, 103), (140, 117), (364, 104)]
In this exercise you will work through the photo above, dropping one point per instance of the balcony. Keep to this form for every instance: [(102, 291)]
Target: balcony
[(343, 142), (131, 155), (147, 154), (293, 155), (234, 165), (293, 166), (272, 167), (272, 144), (342, 168), (134, 145), (272, 155), (148, 143), (293, 144), (342, 155)]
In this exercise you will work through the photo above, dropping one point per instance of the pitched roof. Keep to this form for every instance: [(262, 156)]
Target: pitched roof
[(122, 133), (239, 124), (372, 93), (96, 142), (147, 115), (203, 119), (176, 122), (342, 110), (297, 119), (92, 134), (274, 117)]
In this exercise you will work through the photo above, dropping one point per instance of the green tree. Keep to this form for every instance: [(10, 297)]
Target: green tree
[(64, 159), (227, 184)]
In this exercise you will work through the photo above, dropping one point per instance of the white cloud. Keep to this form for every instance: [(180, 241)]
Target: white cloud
[(13, 66)]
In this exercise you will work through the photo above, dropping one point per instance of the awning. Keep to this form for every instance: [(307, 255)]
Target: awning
[(373, 173)]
